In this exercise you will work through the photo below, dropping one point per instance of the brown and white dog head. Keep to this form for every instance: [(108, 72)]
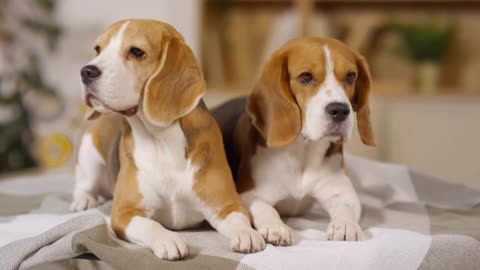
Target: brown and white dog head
[(309, 88), (146, 65)]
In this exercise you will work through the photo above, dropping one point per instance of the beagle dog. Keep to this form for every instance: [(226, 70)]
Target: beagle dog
[(155, 147), (288, 143)]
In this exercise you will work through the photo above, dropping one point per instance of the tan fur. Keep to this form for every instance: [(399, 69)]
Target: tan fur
[(213, 181), (103, 132), (178, 69), (271, 105), (360, 102), (127, 198)]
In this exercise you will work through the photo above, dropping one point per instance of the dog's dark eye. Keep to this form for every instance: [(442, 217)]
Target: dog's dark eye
[(305, 78), (97, 49), (138, 53), (350, 78)]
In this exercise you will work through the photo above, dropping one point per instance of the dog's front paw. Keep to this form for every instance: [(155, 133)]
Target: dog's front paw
[(278, 234), (170, 246), (83, 200), (342, 230), (247, 241)]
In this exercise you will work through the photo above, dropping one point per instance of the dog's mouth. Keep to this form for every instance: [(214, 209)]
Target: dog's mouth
[(335, 133), (95, 103), (336, 136)]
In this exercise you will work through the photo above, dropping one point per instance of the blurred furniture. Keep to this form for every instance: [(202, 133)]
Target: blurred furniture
[(240, 34)]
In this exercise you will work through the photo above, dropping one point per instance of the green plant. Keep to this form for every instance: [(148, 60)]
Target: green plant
[(426, 41), (20, 73)]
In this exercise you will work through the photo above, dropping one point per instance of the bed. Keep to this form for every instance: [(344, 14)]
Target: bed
[(412, 221)]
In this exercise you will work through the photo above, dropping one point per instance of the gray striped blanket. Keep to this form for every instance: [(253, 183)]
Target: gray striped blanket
[(412, 221)]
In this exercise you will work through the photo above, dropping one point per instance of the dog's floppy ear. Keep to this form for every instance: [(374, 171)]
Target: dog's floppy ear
[(271, 105), (360, 102), (176, 86)]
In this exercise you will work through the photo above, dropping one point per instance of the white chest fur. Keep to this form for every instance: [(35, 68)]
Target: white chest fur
[(292, 171), (165, 175)]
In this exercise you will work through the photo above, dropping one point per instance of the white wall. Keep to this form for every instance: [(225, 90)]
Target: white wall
[(83, 20), (438, 135)]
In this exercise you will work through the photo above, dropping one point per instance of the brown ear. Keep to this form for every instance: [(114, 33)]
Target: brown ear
[(271, 105), (175, 87), (361, 102)]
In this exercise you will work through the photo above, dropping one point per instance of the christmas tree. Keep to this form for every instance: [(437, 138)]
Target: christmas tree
[(27, 29)]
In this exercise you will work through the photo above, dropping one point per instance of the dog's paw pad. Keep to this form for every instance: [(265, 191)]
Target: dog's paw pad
[(247, 241), (170, 246), (83, 201), (278, 235), (341, 230)]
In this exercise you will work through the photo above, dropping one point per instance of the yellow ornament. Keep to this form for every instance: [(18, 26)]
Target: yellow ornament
[(54, 150)]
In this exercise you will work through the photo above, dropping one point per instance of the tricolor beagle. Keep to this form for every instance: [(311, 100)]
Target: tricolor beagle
[(160, 153), (289, 141)]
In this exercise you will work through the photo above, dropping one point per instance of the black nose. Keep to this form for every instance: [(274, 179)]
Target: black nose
[(338, 112), (89, 73)]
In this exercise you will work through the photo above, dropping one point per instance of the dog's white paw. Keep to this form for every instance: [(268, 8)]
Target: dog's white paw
[(278, 234), (170, 246), (247, 241), (84, 200), (342, 230)]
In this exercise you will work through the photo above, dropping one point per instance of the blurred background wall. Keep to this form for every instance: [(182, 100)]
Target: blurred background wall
[(423, 55)]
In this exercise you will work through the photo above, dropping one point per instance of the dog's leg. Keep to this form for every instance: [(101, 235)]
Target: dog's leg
[(341, 202), (89, 173), (130, 225), (267, 221)]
